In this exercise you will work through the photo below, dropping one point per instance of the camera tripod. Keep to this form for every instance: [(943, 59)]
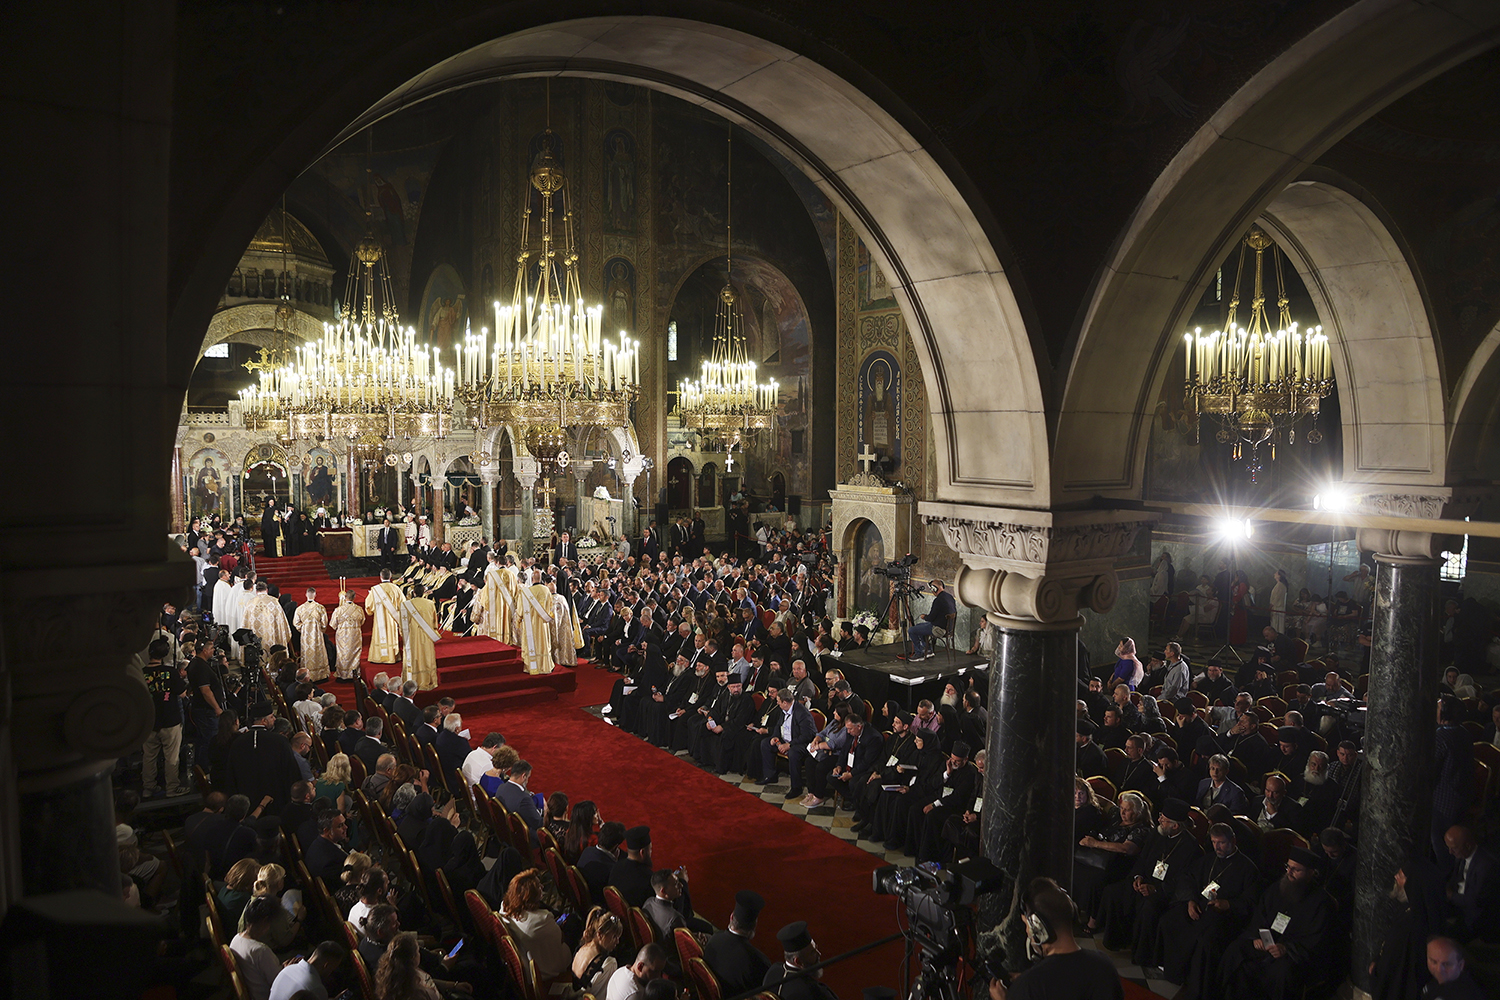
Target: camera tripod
[(901, 592)]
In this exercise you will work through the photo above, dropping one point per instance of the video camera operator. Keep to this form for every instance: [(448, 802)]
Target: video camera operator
[(936, 617), (1063, 971)]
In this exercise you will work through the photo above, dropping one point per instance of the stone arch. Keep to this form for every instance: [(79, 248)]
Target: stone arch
[(966, 323), (1474, 414), (1220, 182), (1385, 358), (253, 323)]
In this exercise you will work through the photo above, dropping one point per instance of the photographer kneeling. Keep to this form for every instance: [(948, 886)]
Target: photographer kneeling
[(1062, 971)]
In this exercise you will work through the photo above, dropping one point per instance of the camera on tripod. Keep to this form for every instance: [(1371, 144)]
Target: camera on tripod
[(898, 569)]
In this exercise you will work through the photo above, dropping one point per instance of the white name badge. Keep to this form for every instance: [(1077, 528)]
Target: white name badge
[(1279, 924), (978, 805), (851, 758), (946, 792), (1211, 891), (913, 781), (1160, 871), (693, 698), (891, 762), (711, 721)]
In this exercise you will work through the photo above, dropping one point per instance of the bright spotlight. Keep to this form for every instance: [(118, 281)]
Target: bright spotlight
[(1232, 529), (1334, 499)]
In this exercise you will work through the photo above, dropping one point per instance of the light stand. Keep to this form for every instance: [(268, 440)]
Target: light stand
[(1233, 531)]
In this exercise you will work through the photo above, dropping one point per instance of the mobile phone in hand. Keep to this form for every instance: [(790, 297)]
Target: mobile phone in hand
[(455, 948)]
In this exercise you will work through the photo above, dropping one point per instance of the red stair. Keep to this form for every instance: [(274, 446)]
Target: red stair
[(482, 675)]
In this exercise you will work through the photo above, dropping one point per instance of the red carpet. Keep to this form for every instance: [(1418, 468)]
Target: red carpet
[(728, 840)]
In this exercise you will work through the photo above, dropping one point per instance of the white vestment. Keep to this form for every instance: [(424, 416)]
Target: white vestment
[(384, 604), (535, 626), (348, 625), (223, 596), (311, 620)]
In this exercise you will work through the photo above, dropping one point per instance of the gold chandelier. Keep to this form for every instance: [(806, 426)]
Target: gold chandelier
[(365, 375), (1258, 381), (726, 396), (548, 362)]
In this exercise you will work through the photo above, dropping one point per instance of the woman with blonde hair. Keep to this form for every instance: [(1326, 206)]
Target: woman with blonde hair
[(239, 884), (270, 881), (594, 962), (357, 865), (333, 783), (533, 926)]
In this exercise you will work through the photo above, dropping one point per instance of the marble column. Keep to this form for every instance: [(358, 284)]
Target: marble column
[(400, 488), (351, 486), (487, 507), (1396, 808), (627, 511), (438, 485), (528, 518), (1033, 573), (1028, 830), (580, 497), (179, 506)]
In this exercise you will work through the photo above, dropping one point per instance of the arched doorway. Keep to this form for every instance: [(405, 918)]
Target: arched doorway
[(679, 484)]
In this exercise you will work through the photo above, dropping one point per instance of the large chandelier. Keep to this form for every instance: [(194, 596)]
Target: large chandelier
[(365, 376), (726, 396), (1258, 381), (549, 362)]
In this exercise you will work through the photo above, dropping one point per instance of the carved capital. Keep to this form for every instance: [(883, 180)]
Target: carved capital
[(1038, 566), (1405, 546), (1429, 502)]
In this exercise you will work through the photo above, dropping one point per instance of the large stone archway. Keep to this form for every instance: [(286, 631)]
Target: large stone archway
[(1222, 180), (988, 409)]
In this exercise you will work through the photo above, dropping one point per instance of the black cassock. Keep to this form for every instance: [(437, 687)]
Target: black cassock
[(1190, 949)]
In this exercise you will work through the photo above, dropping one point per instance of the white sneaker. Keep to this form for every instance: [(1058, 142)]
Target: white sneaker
[(812, 802), (607, 709)]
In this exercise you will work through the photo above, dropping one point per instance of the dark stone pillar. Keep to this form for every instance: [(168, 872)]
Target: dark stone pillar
[(68, 831), (1397, 804), (1028, 782)]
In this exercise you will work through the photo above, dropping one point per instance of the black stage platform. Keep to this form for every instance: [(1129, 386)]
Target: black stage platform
[(878, 676)]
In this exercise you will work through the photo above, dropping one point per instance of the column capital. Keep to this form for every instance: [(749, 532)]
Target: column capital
[(1036, 567), (1411, 545), (527, 471), (1390, 501)]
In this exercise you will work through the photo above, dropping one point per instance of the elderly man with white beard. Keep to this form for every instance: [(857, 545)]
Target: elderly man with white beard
[(1129, 911), (1296, 917), (1316, 792)]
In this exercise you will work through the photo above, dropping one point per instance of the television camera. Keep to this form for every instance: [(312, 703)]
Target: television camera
[(936, 902), (897, 569)]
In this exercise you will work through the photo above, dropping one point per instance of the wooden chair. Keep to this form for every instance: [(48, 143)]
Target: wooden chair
[(1489, 754), (450, 905), (1288, 678), (1301, 647), (363, 981), (216, 932), (819, 720), (1115, 758), (688, 947), (552, 859), (1200, 824), (759, 697), (516, 967), (174, 856), (1198, 698), (1289, 693), (520, 836), (357, 773), (546, 840), (702, 979), (943, 634), (237, 987), (1263, 713), (615, 903), (414, 874), (1473, 728), (201, 782), (1481, 787), (1103, 786), (578, 890), (1267, 731), (642, 930), (1275, 704)]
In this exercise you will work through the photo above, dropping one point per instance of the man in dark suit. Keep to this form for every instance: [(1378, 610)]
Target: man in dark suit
[(1277, 808), (1453, 771), (731, 954), (697, 535), (1090, 756), (368, 747), (597, 861), (631, 875), (1218, 789), (325, 855), (403, 708), (427, 729), (564, 550), (513, 794), (388, 540), (651, 542), (1473, 890), (790, 725), (451, 750)]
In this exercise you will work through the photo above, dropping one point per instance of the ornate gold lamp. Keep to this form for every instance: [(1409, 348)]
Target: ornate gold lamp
[(726, 398), (1259, 382)]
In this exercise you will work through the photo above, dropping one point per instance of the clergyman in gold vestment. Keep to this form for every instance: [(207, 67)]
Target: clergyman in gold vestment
[(419, 631), (384, 603)]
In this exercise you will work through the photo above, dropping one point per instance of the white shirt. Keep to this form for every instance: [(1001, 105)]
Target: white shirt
[(258, 965), (479, 761), (786, 725), (357, 913), (622, 985), (295, 978)]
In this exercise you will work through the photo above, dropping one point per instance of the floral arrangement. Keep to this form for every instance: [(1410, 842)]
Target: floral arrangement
[(868, 619), (587, 542), (469, 520)]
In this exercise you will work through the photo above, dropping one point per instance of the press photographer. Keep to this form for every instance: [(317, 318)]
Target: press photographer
[(939, 619)]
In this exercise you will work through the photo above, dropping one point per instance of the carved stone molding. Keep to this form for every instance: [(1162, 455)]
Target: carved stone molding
[(1429, 503), (1036, 566), (1405, 546)]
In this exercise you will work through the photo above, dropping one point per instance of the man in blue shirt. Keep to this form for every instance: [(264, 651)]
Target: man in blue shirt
[(938, 616)]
